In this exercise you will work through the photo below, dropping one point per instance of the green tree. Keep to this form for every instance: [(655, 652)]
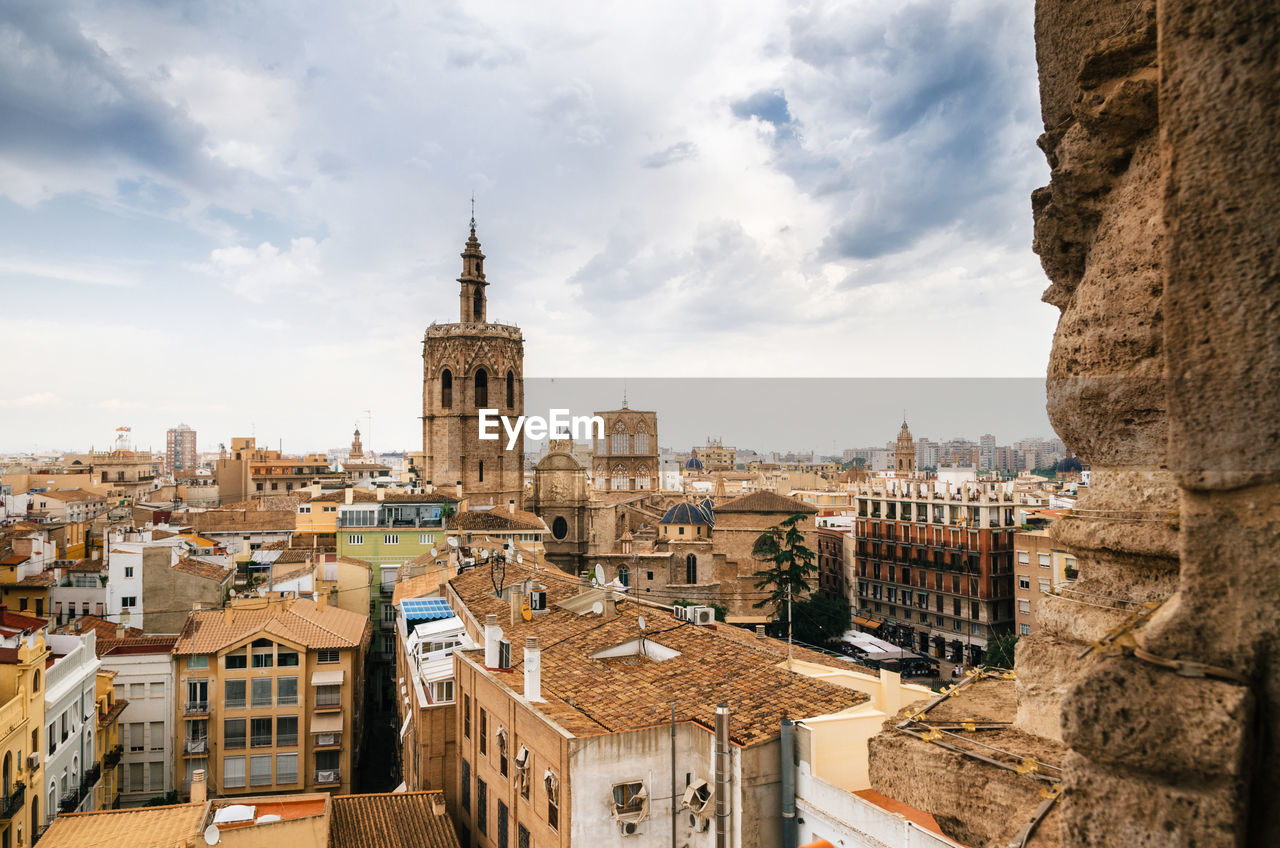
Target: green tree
[(820, 619), (790, 565), (1000, 654)]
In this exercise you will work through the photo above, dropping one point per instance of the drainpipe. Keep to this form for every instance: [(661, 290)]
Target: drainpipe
[(788, 783), (723, 811)]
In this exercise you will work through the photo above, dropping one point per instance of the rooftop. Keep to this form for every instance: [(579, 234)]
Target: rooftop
[(298, 620), (589, 697), (496, 519), (391, 820), (144, 827), (766, 501), (202, 568)]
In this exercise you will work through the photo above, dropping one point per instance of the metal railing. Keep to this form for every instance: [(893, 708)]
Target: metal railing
[(260, 740), (327, 740), (196, 746), (286, 740), (11, 804), (328, 776), (113, 756), (195, 708)]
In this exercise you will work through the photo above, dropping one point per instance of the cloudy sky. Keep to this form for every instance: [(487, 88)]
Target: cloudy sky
[(243, 215)]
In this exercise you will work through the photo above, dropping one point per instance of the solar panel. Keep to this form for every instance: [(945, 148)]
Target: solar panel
[(428, 609)]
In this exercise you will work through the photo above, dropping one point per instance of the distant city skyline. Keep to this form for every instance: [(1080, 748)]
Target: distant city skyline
[(754, 414)]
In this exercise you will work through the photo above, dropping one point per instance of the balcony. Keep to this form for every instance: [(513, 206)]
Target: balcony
[(196, 746), (71, 801), (196, 708), (324, 776), (260, 740), (233, 703), (113, 756), (327, 701), (90, 778), (328, 740), (11, 804)]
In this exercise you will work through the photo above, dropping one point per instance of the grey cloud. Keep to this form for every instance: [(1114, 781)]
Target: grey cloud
[(920, 117), (64, 99), (678, 152)]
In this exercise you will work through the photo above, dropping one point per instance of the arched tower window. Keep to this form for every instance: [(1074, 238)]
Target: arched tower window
[(691, 569), (446, 389), (624, 575), (482, 387), (481, 472), (511, 389), (477, 305), (619, 481)]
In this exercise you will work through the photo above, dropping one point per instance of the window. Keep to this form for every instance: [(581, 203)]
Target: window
[(552, 784), (260, 732), (481, 390), (394, 538), (286, 731), (522, 836), (559, 527), (446, 389), (501, 737), (327, 655), (1024, 629), (260, 692), (286, 768), (233, 733), (355, 539), (1024, 557), (233, 694), (201, 661), (1024, 606), (158, 736), (425, 539), (328, 696), (441, 691), (465, 794), (511, 389), (690, 568), (128, 571), (1024, 582), (286, 658), (264, 653), (480, 471), (466, 716), (618, 444), (127, 601), (286, 691), (482, 806), (1044, 561), (136, 731), (641, 443), (503, 833), (629, 798), (260, 770), (236, 660), (484, 734)]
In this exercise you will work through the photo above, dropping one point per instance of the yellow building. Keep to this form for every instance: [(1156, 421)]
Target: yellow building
[(269, 696), (107, 747), (22, 724)]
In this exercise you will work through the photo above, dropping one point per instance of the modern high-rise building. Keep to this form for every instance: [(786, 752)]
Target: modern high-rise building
[(180, 449)]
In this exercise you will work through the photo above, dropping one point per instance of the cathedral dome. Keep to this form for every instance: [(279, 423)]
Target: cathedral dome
[(693, 463), (687, 513)]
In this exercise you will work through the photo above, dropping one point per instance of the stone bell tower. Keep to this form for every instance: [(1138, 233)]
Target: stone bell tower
[(469, 366)]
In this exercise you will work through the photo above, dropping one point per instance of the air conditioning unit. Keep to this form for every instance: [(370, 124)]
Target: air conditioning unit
[(33, 760), (628, 828), (682, 613), (697, 796), (537, 601), (703, 615), (698, 824)]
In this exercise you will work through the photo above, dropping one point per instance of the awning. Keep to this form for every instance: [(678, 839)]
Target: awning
[(326, 723), (867, 622), (748, 619), (327, 678)]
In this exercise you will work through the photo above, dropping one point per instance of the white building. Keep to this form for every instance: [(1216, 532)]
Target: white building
[(70, 709), (144, 677)]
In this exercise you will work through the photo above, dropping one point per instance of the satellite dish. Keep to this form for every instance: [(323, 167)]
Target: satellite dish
[(599, 573), (597, 608), (520, 559), (641, 621), (233, 593), (434, 552), (211, 835), (453, 541), (484, 554)]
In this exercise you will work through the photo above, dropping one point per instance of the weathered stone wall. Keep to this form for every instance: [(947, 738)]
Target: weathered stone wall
[(1160, 234)]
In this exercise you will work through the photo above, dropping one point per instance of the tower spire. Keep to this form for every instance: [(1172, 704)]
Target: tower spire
[(472, 299), (473, 213)]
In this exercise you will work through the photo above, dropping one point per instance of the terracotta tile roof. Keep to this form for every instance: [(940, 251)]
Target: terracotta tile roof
[(14, 559), (767, 502), (18, 621), (143, 827), (417, 587), (299, 620), (590, 697), (44, 579), (97, 624), (201, 568), (272, 503), (391, 820), (281, 572), (71, 495), (242, 520), (296, 555), (496, 519)]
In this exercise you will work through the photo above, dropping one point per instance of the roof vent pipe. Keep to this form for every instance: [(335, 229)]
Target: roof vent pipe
[(788, 756), (492, 636), (532, 669), (722, 765)]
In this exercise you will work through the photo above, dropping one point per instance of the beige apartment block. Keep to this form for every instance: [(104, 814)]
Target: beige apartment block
[(1041, 566), (269, 696)]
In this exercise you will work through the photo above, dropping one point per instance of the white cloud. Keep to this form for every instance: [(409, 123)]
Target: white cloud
[(265, 272), (29, 401)]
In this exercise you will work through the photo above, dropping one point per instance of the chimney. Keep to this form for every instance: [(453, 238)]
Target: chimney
[(759, 631), (346, 495), (610, 606), (723, 763), (226, 616), (199, 790), (120, 630), (457, 489), (532, 669), (380, 493), (492, 636), (511, 506)]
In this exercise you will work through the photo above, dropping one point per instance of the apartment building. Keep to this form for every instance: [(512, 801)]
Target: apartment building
[(935, 564), (594, 721), (164, 573), (248, 471), (70, 699), (23, 657), (270, 696), (180, 453), (68, 505), (1041, 567), (107, 748)]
